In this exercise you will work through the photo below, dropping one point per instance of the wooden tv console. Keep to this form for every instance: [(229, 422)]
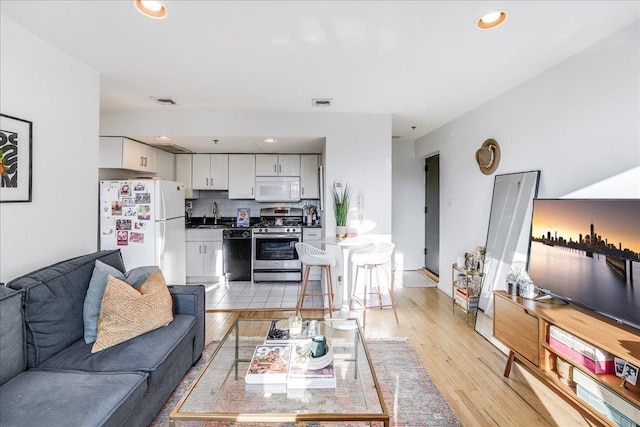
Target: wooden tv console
[(523, 326)]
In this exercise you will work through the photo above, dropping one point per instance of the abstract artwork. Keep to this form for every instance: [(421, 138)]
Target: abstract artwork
[(15, 159)]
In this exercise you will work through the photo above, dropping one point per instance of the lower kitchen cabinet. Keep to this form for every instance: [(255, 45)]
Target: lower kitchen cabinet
[(203, 255)]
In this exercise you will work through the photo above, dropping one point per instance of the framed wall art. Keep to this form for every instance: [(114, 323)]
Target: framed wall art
[(15, 159)]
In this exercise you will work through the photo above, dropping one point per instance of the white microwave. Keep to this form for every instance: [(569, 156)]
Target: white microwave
[(277, 188)]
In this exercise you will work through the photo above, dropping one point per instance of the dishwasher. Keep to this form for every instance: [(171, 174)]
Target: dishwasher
[(236, 254)]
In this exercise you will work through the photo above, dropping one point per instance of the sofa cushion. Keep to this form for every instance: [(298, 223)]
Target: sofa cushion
[(54, 299), (71, 398), (13, 351), (97, 285), (127, 313), (144, 353)]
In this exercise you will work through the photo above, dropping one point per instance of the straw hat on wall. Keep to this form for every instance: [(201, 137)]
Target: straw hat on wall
[(488, 156)]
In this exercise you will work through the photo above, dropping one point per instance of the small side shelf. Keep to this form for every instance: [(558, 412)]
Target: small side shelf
[(466, 289)]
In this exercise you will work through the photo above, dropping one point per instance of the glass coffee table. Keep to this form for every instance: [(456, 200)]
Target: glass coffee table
[(220, 393)]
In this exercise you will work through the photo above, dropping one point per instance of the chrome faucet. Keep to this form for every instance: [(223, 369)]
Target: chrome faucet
[(215, 213)]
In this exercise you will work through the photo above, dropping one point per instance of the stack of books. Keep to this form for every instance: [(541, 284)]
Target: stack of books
[(605, 401), (462, 294), (276, 366), (592, 358)]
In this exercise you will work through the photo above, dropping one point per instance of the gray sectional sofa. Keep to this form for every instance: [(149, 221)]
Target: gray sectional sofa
[(48, 375)]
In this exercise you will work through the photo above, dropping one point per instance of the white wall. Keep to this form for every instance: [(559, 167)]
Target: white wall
[(578, 123), (61, 97), (408, 207), (358, 147)]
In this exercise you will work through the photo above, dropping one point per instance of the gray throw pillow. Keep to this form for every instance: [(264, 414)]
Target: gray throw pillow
[(93, 300)]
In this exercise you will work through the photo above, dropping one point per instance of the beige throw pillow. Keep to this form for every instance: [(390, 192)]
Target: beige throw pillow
[(126, 312)]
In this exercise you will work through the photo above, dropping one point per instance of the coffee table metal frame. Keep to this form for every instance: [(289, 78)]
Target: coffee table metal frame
[(190, 406)]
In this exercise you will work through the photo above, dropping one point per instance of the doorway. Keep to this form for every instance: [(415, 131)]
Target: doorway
[(432, 215)]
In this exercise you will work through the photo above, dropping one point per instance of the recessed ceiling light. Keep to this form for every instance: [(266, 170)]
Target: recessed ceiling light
[(152, 9), (270, 140), (163, 138), (491, 20)]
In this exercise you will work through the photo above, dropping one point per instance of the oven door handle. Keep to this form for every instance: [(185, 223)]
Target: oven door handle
[(276, 236)]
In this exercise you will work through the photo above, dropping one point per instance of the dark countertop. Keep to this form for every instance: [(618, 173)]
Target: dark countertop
[(225, 222)]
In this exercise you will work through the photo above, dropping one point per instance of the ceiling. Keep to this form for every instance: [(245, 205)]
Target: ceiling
[(423, 62)]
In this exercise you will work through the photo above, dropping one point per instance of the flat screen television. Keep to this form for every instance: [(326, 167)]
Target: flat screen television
[(587, 252)]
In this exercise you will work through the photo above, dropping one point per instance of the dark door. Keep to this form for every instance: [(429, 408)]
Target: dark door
[(432, 214)]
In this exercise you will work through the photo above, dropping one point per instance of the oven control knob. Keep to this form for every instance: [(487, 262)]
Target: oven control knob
[(288, 230)]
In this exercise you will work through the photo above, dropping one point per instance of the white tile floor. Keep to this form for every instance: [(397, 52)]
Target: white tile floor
[(267, 295)]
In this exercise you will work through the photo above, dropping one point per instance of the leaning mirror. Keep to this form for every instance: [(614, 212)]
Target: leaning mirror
[(507, 237)]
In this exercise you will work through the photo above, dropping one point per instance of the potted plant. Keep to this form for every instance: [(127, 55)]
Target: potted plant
[(341, 208)]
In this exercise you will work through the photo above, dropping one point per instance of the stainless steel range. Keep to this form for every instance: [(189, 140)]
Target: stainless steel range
[(274, 254)]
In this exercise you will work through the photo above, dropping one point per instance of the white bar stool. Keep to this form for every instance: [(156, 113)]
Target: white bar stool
[(370, 258), (311, 256)]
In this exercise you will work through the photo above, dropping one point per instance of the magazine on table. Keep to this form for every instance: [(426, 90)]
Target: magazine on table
[(301, 377), (269, 365)]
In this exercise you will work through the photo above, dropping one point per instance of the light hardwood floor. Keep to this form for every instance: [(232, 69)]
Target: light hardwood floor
[(464, 365)]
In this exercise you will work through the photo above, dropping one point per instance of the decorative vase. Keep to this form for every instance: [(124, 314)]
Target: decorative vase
[(341, 230)]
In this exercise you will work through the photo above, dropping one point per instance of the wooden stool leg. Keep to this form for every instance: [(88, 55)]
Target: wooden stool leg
[(379, 288), (329, 274), (353, 289), (303, 289)]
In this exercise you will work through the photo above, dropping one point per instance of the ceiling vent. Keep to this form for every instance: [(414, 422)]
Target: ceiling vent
[(321, 102), (164, 100)]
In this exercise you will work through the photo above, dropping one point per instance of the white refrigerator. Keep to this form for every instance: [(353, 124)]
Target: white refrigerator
[(145, 220)]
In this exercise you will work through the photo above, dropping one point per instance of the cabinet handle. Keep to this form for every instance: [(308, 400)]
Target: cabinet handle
[(207, 182), (145, 161), (303, 191), (252, 191), (280, 166), (141, 162), (200, 249), (275, 168), (205, 249)]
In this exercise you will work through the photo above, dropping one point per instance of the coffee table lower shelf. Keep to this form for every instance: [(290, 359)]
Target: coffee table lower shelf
[(220, 394)]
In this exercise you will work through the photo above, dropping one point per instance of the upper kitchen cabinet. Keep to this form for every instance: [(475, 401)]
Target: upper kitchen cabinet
[(242, 176), (166, 165), (210, 172), (277, 165), (309, 176), (183, 175), (122, 153)]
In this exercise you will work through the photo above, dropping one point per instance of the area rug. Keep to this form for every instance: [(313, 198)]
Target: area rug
[(412, 398), (412, 279)]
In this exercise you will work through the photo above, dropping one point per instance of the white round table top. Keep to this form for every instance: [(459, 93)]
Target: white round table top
[(347, 241)]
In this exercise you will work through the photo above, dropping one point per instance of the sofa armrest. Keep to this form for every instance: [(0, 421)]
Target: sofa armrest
[(190, 299)]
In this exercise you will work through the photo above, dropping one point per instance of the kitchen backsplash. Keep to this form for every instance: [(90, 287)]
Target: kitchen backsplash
[(229, 207)]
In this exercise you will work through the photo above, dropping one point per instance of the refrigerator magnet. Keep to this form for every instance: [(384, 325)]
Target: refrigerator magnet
[(125, 189), (136, 237), (144, 212), (123, 224), (143, 198), (123, 237), (116, 207), (128, 201)]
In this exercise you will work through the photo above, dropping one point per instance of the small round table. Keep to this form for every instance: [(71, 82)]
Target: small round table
[(345, 245)]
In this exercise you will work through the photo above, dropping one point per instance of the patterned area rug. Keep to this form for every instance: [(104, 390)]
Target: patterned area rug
[(412, 398), (412, 279)]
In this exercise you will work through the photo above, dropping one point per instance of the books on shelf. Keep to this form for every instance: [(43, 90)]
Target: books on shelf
[(603, 399), (461, 296), (301, 377), (269, 365), (594, 359), (279, 332)]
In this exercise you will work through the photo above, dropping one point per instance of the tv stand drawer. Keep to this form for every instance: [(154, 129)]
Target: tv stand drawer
[(516, 328)]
